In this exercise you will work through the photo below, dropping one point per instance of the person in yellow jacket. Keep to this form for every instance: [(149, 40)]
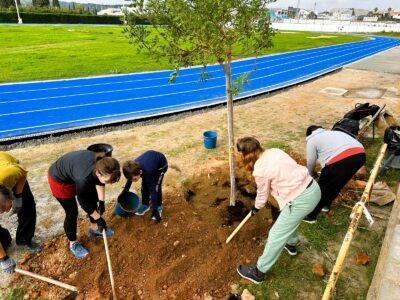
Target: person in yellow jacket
[(7, 264), (14, 177)]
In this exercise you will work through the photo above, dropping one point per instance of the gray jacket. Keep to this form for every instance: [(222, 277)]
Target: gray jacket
[(322, 145)]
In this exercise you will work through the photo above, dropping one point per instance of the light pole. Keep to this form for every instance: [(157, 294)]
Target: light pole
[(298, 11), (19, 18), (125, 11)]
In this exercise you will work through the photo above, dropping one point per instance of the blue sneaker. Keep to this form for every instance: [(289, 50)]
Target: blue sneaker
[(159, 211), (97, 233), (141, 211), (78, 250)]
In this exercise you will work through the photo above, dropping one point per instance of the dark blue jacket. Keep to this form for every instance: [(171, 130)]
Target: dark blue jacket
[(152, 163)]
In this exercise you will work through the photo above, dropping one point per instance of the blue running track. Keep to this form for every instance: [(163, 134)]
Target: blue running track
[(38, 108)]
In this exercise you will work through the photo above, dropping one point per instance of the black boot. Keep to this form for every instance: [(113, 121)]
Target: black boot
[(251, 273)]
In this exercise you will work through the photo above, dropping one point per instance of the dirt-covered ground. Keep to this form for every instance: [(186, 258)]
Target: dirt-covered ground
[(190, 257)]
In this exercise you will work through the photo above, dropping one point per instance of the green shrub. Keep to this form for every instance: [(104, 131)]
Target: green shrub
[(55, 17)]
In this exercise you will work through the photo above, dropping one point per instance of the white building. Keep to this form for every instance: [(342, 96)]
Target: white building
[(111, 12), (303, 13), (324, 16), (345, 14), (370, 19)]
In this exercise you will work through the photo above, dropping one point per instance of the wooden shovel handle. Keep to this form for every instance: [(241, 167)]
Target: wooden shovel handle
[(109, 264), (48, 280), (238, 228)]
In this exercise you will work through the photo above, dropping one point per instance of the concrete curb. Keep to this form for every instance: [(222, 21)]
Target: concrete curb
[(386, 281)]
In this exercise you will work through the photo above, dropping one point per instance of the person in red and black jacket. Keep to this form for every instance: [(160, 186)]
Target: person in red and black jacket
[(83, 175), (151, 167)]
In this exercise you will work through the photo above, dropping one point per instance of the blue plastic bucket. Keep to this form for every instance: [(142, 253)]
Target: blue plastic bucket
[(210, 139), (127, 205)]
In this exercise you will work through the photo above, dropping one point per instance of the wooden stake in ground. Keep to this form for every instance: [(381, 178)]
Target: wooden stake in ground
[(238, 228), (358, 211), (46, 279), (109, 264)]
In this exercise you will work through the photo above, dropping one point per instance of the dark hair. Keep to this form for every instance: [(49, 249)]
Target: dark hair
[(5, 192), (311, 128), (131, 168), (251, 150), (109, 166)]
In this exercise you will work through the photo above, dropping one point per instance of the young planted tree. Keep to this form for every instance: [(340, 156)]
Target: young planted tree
[(203, 32)]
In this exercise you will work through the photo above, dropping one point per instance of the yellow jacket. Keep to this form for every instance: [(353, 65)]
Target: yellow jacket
[(10, 170)]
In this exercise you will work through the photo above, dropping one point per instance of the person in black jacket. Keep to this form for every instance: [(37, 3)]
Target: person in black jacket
[(83, 175), (151, 167)]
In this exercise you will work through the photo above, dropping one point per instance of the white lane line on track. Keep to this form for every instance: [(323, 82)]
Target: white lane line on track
[(175, 93), (175, 84), (215, 100), (259, 61)]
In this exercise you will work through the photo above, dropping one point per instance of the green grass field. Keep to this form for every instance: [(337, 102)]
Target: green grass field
[(51, 52), (390, 34)]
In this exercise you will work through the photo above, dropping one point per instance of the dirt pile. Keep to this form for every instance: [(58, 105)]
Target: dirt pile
[(184, 257)]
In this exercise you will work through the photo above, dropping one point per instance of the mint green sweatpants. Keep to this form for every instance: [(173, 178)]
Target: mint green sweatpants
[(284, 231)]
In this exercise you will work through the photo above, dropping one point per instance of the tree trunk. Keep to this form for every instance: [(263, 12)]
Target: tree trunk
[(229, 102)]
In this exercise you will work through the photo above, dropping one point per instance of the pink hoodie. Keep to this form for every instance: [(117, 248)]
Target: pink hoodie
[(278, 173)]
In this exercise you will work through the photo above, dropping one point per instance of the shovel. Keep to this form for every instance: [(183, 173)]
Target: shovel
[(239, 227), (72, 288), (109, 264)]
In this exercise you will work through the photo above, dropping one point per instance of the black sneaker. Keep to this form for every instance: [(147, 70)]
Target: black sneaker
[(310, 220), (292, 250), (33, 247), (156, 216), (326, 209), (251, 273)]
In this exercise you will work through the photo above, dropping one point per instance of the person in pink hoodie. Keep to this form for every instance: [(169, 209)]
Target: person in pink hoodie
[(296, 192)]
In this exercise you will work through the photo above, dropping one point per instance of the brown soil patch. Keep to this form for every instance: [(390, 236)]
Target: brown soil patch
[(184, 257)]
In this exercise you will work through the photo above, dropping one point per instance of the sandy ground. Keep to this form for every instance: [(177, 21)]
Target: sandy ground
[(282, 117)]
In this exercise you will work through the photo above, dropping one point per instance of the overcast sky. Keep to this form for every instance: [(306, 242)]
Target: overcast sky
[(321, 4)]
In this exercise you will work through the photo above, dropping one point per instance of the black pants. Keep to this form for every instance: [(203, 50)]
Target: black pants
[(26, 217), (146, 192), (5, 238), (71, 217), (334, 177)]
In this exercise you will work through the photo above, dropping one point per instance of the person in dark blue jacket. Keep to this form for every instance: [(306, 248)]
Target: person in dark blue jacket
[(151, 167)]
